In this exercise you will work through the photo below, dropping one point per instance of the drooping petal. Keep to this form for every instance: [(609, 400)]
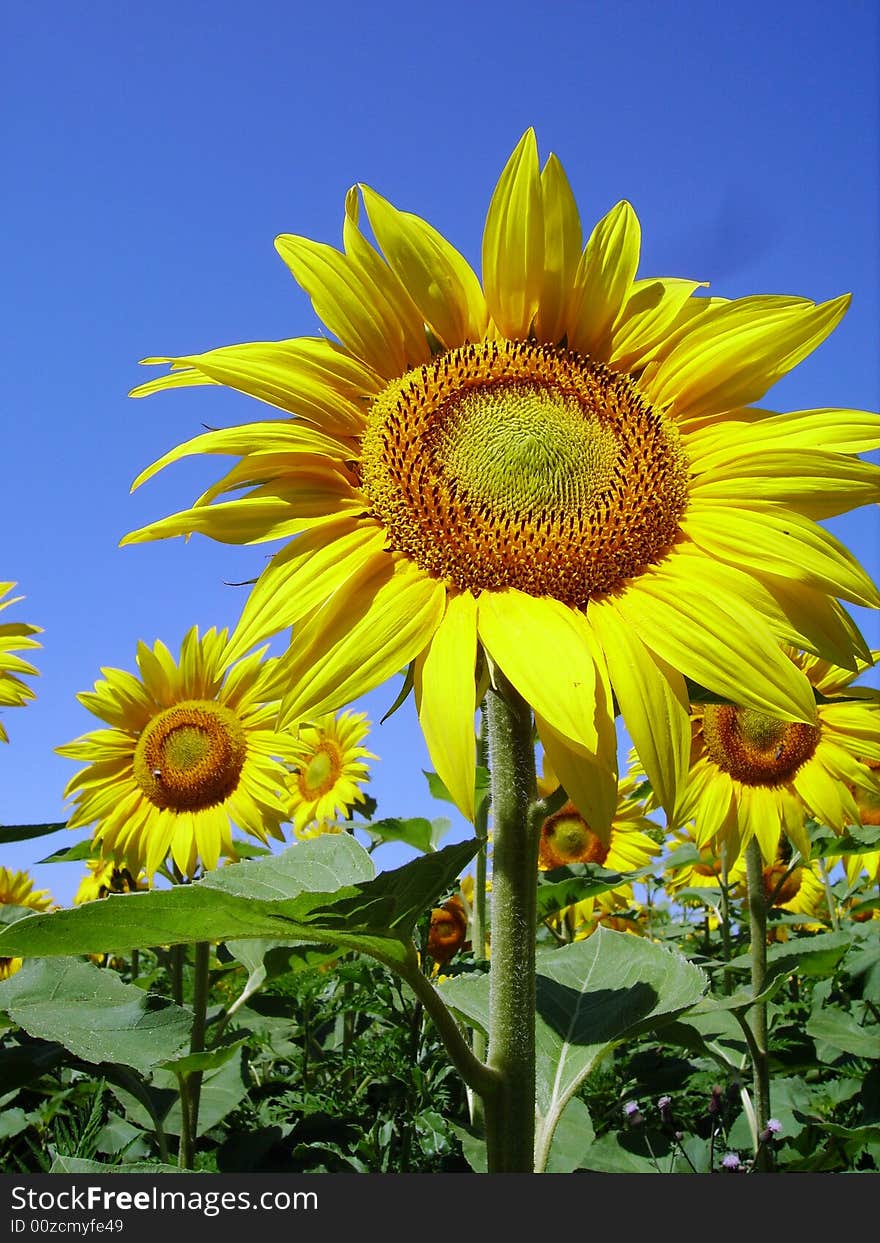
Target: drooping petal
[(444, 688), (542, 647), (653, 701), (371, 627), (302, 576), (770, 538), (590, 784), (717, 640)]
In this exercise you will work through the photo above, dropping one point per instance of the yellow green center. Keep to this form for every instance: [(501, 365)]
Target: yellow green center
[(190, 756), (756, 749), (319, 775), (567, 838), (508, 464)]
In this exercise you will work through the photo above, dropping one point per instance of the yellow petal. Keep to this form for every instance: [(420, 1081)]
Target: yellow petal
[(302, 576), (591, 785), (603, 281), (542, 646), (513, 242), (310, 377), (271, 512), (761, 818), (649, 311), (440, 281), (562, 252), (717, 640), (835, 431), (763, 537), (653, 701), (371, 627), (736, 352), (816, 484), (444, 688), (347, 302), (267, 438), (713, 808), (401, 316)]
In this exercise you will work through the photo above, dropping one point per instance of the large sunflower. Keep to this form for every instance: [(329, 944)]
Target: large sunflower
[(14, 637), (191, 750), (757, 775), (558, 467), (17, 889)]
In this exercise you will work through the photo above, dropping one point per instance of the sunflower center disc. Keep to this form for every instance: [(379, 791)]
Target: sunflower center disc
[(190, 756), (567, 838), (507, 464), (319, 775), (755, 749)]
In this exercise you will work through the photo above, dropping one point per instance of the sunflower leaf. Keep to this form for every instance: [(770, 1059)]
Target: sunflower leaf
[(591, 995), (321, 891), (24, 832), (93, 1014), (562, 887)]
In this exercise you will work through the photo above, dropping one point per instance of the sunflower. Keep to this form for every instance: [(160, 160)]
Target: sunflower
[(103, 877), (14, 637), (191, 750), (798, 889), (559, 468), (447, 930), (567, 838), (17, 889), (757, 775), (330, 770)]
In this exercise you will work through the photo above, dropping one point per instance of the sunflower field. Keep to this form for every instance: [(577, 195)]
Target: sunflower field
[(547, 504)]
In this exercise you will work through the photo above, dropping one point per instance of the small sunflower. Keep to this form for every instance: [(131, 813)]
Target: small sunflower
[(191, 750), (14, 637), (103, 877), (17, 889), (567, 838), (757, 775), (799, 890), (329, 770), (447, 930), (558, 466)]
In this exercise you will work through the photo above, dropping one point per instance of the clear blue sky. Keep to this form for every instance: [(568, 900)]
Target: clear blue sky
[(150, 157)]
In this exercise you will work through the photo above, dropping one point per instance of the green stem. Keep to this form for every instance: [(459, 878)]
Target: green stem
[(177, 955), (475, 1074), (829, 896), (510, 1113), (479, 1043), (190, 1084), (758, 936), (725, 921)]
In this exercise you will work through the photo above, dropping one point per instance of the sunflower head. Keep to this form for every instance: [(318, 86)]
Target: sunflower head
[(17, 889), (14, 637), (192, 750), (566, 838), (104, 877), (447, 930), (330, 771)]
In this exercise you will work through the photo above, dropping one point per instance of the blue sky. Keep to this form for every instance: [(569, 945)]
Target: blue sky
[(151, 161)]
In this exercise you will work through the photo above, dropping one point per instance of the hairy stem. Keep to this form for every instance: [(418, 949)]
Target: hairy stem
[(758, 938), (510, 1113)]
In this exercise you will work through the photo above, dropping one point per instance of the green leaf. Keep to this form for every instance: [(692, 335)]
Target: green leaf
[(71, 854), (13, 1122), (320, 891), (562, 887), (417, 832), (79, 1165), (24, 832), (815, 956), (591, 995), (858, 840), (482, 788), (573, 1136), (208, 1059), (843, 1034), (21, 1064), (93, 1014)]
